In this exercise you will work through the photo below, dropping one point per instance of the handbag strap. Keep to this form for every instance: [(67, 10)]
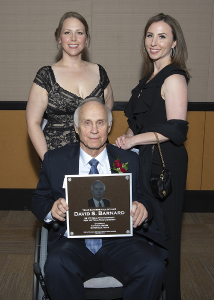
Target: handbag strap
[(159, 148)]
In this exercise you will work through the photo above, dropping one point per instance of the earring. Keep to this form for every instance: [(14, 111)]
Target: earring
[(173, 52), (144, 49)]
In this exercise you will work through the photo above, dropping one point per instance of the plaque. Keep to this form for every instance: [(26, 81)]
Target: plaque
[(99, 205)]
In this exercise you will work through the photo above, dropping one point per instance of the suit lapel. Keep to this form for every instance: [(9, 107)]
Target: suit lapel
[(72, 164), (112, 155)]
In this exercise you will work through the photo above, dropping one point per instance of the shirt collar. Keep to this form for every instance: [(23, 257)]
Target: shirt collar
[(86, 157)]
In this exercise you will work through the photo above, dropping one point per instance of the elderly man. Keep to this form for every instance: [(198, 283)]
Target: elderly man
[(138, 261), (98, 190)]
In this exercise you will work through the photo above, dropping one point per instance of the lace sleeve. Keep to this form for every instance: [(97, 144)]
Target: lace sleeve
[(104, 80), (43, 78)]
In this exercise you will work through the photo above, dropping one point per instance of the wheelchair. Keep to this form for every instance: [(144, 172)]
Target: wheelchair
[(100, 287)]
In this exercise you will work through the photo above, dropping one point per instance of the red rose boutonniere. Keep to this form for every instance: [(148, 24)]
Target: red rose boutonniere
[(120, 167)]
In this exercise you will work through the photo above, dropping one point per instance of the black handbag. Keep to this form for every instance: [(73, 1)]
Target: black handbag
[(161, 185)]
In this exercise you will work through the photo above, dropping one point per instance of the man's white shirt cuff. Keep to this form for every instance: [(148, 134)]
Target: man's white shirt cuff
[(48, 218)]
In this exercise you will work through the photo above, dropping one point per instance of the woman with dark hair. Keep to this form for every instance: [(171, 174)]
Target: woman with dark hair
[(159, 104), (59, 89)]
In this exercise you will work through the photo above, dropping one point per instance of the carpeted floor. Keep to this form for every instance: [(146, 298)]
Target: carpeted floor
[(197, 256), (17, 242), (17, 239)]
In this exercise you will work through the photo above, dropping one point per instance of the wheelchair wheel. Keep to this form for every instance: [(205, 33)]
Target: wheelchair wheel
[(36, 260), (40, 257)]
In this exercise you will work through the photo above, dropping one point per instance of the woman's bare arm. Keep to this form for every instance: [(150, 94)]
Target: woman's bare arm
[(175, 96), (108, 96), (36, 106)]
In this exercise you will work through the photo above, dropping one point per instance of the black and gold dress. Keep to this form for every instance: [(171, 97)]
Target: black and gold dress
[(62, 104)]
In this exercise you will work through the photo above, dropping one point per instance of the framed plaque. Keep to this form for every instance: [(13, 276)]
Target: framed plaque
[(99, 205)]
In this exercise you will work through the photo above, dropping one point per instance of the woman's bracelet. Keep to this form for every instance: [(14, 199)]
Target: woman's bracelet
[(130, 134)]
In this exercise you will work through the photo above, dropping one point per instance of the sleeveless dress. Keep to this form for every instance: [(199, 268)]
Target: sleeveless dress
[(145, 109), (62, 104)]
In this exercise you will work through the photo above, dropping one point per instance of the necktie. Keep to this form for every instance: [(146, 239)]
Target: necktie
[(93, 163), (93, 244)]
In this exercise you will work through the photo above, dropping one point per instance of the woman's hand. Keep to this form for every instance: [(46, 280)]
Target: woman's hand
[(124, 142), (120, 141)]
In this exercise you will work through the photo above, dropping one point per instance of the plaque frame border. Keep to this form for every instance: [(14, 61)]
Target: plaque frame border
[(99, 235)]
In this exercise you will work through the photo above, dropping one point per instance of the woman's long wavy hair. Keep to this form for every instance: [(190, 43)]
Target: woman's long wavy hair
[(181, 54)]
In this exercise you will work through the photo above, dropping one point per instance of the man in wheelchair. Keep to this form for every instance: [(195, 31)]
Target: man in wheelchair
[(137, 261)]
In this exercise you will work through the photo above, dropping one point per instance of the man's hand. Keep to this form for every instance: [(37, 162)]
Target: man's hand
[(139, 213), (59, 209)]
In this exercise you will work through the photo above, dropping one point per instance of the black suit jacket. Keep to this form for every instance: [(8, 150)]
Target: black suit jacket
[(91, 202), (65, 161)]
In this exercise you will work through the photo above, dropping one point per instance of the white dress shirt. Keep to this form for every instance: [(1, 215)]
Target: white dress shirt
[(103, 166)]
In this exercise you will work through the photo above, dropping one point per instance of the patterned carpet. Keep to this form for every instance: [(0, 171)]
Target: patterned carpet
[(17, 239)]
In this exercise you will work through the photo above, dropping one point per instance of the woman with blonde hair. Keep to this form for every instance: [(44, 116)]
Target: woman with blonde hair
[(159, 105), (59, 89)]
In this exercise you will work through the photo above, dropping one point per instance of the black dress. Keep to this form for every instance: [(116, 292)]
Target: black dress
[(62, 104), (146, 112)]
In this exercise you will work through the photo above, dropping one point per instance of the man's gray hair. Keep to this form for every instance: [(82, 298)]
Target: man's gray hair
[(97, 181), (92, 99)]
